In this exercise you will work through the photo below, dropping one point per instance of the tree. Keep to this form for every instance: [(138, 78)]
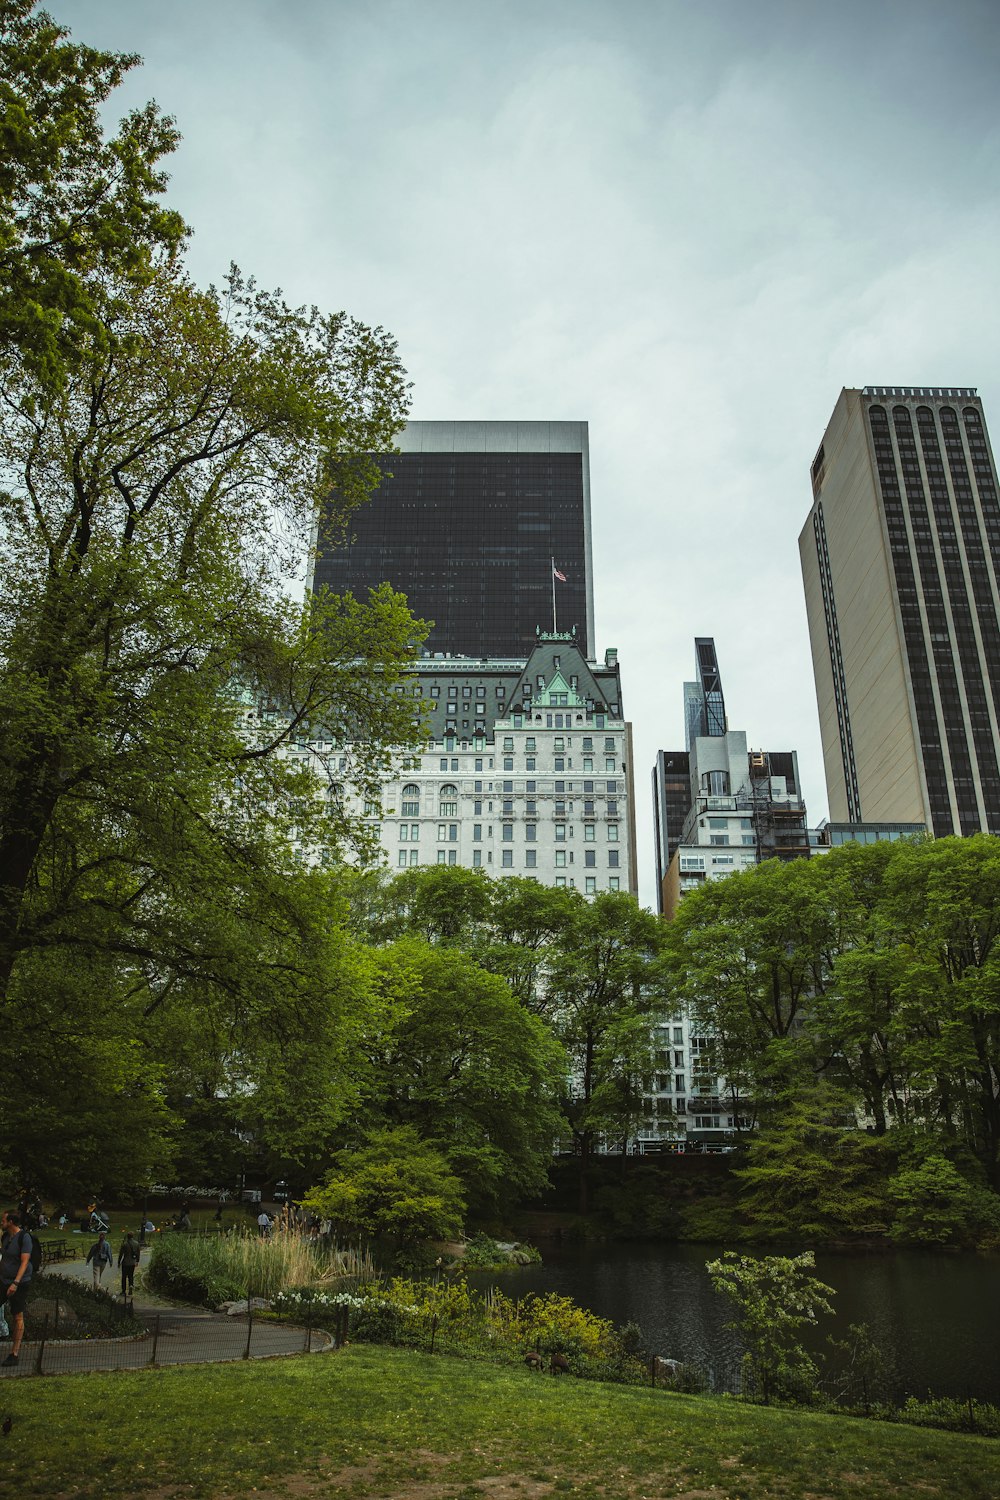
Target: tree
[(174, 730), (936, 1205), (746, 954), (776, 1298), (471, 1071), (75, 204), (395, 1185), (605, 990), (811, 1174), (148, 619)]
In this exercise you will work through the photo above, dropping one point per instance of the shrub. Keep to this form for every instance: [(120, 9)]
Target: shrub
[(210, 1269)]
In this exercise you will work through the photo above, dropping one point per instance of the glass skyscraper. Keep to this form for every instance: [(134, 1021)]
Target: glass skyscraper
[(901, 564), (468, 522)]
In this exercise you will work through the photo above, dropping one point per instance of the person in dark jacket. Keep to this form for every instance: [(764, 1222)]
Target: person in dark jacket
[(128, 1259)]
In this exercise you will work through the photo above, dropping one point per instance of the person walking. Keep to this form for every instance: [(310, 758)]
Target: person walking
[(263, 1223), (128, 1259), (100, 1255), (15, 1275)]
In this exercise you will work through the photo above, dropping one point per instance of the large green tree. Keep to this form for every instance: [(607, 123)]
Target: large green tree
[(463, 1063), (76, 203), (176, 732)]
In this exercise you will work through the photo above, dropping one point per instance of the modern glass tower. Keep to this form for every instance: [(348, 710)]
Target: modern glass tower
[(901, 563), (485, 527)]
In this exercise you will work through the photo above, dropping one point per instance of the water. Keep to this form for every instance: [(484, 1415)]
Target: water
[(936, 1318)]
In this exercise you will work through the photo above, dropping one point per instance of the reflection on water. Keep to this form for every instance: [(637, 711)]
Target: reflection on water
[(935, 1317)]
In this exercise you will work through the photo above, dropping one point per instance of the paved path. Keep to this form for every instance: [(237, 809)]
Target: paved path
[(177, 1335)]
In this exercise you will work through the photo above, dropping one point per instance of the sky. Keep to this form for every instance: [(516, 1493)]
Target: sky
[(686, 222)]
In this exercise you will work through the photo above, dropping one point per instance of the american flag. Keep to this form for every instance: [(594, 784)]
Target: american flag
[(556, 574)]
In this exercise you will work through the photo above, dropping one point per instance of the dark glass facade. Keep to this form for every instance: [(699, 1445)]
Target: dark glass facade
[(468, 537)]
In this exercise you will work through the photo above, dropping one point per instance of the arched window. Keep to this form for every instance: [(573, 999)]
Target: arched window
[(448, 806), (411, 800)]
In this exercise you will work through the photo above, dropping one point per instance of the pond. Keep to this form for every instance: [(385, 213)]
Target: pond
[(936, 1317)]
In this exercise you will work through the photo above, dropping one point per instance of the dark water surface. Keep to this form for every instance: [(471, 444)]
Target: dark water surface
[(936, 1317)]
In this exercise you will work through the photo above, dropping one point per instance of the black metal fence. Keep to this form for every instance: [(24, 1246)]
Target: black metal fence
[(165, 1338)]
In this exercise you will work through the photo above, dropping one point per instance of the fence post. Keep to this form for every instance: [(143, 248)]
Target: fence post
[(652, 1370), (864, 1392), (56, 1328), (434, 1324), (246, 1352), (156, 1339), (972, 1415), (308, 1330), (41, 1346)]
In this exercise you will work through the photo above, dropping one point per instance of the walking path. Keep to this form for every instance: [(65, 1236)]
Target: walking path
[(177, 1335)]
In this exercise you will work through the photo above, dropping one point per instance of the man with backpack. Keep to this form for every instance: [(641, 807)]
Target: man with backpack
[(17, 1258)]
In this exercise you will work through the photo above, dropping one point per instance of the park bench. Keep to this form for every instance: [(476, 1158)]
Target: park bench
[(57, 1250)]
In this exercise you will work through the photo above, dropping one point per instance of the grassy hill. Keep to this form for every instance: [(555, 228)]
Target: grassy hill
[(381, 1422)]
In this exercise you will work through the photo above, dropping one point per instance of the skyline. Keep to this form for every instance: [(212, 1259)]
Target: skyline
[(689, 228)]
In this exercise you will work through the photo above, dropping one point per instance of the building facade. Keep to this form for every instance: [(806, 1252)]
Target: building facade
[(485, 527), (901, 561), (529, 771), (720, 808)]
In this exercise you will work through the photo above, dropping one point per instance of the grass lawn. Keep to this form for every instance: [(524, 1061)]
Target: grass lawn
[(380, 1422)]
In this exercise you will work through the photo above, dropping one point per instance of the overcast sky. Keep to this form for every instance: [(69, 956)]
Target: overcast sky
[(688, 224)]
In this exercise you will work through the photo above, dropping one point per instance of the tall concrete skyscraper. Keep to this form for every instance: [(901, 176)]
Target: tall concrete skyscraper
[(485, 527), (901, 563)]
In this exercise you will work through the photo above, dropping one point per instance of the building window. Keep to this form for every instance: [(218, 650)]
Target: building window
[(441, 856), (560, 830), (479, 763), (404, 832), (588, 763), (448, 806), (590, 885), (402, 856), (477, 807), (507, 859), (530, 807), (453, 856), (530, 859), (613, 883), (718, 838), (411, 801), (613, 859), (444, 764), (609, 764), (560, 880), (612, 832), (560, 859), (508, 742), (477, 833), (590, 858), (477, 858), (529, 763), (748, 838), (442, 832), (508, 762), (508, 833), (530, 832), (529, 743), (609, 746), (414, 856), (589, 832), (452, 833)]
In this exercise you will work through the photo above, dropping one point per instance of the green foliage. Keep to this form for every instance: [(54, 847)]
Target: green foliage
[(812, 1175), (871, 974), (214, 1268), (396, 1185), (776, 1297), (470, 1070), (482, 1253), (77, 205), (936, 1205)]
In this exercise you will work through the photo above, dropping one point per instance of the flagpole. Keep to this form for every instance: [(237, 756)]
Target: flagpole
[(552, 565)]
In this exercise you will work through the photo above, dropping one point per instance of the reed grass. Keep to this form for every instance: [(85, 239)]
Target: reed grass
[(214, 1268)]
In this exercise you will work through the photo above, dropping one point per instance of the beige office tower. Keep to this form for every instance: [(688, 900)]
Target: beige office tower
[(901, 560)]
